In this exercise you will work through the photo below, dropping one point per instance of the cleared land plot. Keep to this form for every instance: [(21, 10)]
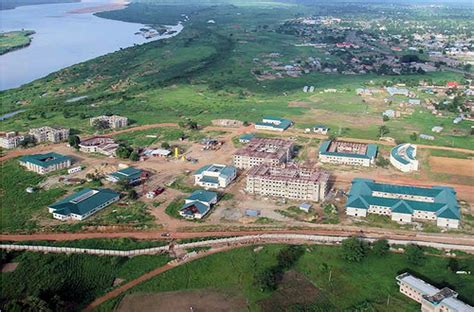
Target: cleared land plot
[(201, 300), (464, 167)]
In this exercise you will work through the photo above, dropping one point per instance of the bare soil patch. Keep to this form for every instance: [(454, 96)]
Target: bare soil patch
[(294, 289), (201, 300), (9, 267), (464, 167), (299, 104)]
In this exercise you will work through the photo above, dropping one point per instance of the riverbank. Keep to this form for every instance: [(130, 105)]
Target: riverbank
[(100, 8), (15, 40)]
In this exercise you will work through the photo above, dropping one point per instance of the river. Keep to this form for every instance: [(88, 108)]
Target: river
[(62, 39)]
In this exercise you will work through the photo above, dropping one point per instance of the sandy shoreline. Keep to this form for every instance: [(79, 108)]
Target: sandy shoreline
[(100, 8)]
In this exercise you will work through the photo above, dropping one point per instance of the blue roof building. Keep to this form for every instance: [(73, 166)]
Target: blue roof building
[(245, 138), (198, 204), (45, 163), (273, 124), (83, 204), (404, 203), (131, 174), (348, 153), (403, 157), (215, 176)]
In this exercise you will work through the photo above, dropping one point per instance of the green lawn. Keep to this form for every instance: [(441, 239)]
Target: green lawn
[(368, 283)]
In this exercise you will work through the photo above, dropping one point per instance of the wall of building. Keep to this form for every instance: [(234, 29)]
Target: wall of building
[(356, 212), (351, 161)]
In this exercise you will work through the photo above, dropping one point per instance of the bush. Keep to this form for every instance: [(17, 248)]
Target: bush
[(354, 249), (380, 247), (382, 162), (414, 254)]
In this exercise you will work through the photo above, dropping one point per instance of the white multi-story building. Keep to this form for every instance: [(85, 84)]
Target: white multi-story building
[(263, 151), (403, 157), (51, 134), (10, 140), (215, 176), (432, 299), (291, 181), (404, 203), (273, 124), (45, 163), (348, 153), (113, 121)]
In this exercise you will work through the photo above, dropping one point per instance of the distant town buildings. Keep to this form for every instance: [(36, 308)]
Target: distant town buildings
[(437, 129), (403, 157), (432, 299), (426, 137), (45, 163), (101, 145), (198, 204), (348, 153), (215, 176), (50, 134), (291, 181), (11, 140), (397, 91), (274, 124), (83, 204), (130, 174), (404, 203), (263, 151), (113, 121)]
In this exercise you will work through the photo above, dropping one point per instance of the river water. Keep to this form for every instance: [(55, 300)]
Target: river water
[(62, 39)]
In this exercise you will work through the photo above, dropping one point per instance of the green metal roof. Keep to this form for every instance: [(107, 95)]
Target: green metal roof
[(82, 202), (402, 159), (371, 151), (192, 208), (247, 136), (284, 123), (45, 160), (444, 198), (129, 173), (226, 171), (202, 196), (211, 180)]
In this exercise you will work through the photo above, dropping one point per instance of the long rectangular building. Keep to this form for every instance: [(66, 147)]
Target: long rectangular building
[(432, 299), (45, 163), (51, 134), (404, 203), (291, 181), (263, 151), (348, 153)]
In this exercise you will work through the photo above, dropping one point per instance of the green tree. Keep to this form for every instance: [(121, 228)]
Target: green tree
[(385, 118), (383, 130), (354, 249), (123, 151), (414, 254), (414, 136), (123, 185), (453, 265), (100, 124), (382, 162), (380, 247), (132, 194), (74, 141), (165, 145), (134, 156)]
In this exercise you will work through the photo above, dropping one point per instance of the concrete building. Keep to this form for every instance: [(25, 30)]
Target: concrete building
[(432, 299), (45, 163), (100, 145), (215, 176), (131, 174), (198, 204), (397, 91), (291, 181), (113, 121), (10, 140), (404, 203), (263, 151), (50, 134), (274, 124), (245, 138), (403, 157), (348, 153), (320, 129), (83, 204)]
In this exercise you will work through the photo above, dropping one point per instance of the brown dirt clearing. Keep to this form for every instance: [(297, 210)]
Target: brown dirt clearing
[(464, 167)]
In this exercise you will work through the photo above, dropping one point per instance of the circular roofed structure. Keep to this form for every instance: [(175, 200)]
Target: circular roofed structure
[(403, 157)]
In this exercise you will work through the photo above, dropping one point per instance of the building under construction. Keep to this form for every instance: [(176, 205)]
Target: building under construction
[(288, 181), (259, 151), (348, 153)]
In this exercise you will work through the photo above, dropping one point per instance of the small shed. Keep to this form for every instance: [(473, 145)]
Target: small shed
[(252, 213), (305, 207)]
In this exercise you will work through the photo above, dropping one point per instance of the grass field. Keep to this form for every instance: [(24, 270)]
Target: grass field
[(68, 282), (206, 73), (13, 40), (352, 286)]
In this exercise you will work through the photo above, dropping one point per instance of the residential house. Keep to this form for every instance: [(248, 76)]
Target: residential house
[(130, 174), (215, 176), (198, 204)]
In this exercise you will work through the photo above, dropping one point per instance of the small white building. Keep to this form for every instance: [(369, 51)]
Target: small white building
[(215, 176), (437, 129), (320, 129)]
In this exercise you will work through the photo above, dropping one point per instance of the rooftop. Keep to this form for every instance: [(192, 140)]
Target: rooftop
[(291, 172), (202, 196), (45, 160), (129, 173), (222, 170), (83, 201), (268, 148), (404, 153), (348, 149)]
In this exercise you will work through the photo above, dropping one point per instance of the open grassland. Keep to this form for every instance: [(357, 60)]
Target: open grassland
[(14, 40), (206, 72), (67, 282), (342, 286), (19, 209)]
